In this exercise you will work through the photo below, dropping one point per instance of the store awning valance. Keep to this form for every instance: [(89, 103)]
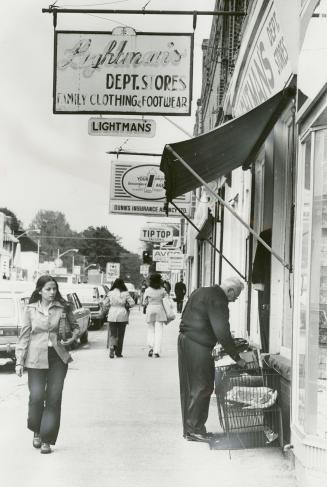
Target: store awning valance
[(221, 150)]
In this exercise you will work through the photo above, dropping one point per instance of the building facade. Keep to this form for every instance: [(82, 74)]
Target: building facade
[(280, 192)]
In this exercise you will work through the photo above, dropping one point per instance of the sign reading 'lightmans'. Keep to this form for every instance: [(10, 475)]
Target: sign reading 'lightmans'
[(122, 126), (100, 72)]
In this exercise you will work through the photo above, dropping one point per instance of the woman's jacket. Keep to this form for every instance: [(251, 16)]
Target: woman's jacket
[(118, 302), (39, 330)]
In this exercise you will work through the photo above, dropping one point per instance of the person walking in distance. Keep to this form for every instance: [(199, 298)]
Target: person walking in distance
[(155, 314), (180, 291), (205, 321), (45, 356), (119, 302)]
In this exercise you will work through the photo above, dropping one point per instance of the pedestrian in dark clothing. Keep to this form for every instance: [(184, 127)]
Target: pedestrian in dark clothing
[(205, 321), (180, 291), (43, 353)]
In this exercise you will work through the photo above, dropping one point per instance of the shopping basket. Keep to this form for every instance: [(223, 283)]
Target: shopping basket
[(248, 408)]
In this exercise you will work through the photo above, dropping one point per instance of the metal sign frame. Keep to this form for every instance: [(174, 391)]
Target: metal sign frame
[(120, 112)]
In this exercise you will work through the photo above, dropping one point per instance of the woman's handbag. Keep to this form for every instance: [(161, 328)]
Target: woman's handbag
[(65, 331), (168, 307)]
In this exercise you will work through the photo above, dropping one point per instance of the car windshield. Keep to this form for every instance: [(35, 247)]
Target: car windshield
[(88, 295), (7, 309), (130, 286)]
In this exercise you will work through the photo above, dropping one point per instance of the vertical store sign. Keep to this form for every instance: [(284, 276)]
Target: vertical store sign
[(102, 72), (267, 64)]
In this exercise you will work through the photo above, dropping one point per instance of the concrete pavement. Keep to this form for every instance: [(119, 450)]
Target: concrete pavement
[(121, 427)]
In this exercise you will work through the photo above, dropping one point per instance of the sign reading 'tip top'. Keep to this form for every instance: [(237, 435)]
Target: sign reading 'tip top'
[(152, 234)]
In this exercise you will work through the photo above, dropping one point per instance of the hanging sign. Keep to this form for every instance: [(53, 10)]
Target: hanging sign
[(176, 262), (162, 267), (131, 127), (152, 234), (161, 255), (138, 189), (112, 271), (106, 72), (144, 269)]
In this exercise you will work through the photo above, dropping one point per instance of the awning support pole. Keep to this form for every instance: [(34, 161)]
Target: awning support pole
[(209, 242), (226, 205)]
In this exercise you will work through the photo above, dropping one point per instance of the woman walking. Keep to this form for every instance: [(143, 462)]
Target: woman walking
[(155, 314), (119, 302), (43, 353)]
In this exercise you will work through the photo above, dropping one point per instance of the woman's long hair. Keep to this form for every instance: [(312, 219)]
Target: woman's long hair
[(155, 281), (118, 284), (41, 282)]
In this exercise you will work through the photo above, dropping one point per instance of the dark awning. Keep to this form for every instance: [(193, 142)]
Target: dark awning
[(221, 150)]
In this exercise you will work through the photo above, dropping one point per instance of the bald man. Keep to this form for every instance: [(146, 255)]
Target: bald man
[(205, 321)]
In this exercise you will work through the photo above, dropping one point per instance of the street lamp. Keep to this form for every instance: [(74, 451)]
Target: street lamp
[(36, 230), (90, 265), (66, 252)]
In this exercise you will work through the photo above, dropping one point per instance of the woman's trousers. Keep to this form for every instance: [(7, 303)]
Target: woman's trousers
[(44, 407), (116, 336), (155, 336)]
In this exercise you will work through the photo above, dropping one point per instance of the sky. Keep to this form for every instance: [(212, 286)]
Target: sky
[(49, 161)]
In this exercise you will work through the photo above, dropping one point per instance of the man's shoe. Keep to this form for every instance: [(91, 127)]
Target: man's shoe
[(156, 355), (112, 353), (150, 352), (37, 440), (197, 437), (45, 448)]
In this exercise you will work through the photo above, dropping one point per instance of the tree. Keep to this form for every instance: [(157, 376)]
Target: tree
[(101, 246), (53, 227), (13, 222)]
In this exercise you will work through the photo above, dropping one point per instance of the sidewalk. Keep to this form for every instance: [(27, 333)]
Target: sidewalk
[(121, 427)]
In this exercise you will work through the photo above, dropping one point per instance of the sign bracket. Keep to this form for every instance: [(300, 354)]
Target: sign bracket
[(52, 9)]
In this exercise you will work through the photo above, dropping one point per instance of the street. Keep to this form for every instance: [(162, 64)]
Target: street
[(121, 426)]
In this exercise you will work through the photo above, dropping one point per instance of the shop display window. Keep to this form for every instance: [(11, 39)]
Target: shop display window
[(312, 330)]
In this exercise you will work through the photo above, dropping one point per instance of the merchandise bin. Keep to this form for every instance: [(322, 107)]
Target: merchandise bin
[(248, 407)]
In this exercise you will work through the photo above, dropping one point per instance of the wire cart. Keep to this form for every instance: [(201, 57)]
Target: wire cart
[(248, 408)]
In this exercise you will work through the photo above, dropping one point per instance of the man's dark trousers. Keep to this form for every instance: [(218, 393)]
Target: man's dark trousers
[(196, 378), (179, 303)]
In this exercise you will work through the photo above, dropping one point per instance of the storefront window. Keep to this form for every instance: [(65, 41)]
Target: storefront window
[(317, 338), (312, 332), (302, 329)]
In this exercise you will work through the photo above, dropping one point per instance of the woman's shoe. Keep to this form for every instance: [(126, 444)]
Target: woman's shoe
[(37, 440), (112, 352), (150, 352), (156, 355), (45, 448)]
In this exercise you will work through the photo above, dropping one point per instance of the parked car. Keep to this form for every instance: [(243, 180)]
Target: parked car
[(89, 296), (12, 305), (11, 319), (82, 315)]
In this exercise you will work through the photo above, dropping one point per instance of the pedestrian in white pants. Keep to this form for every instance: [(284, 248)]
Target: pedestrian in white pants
[(155, 314)]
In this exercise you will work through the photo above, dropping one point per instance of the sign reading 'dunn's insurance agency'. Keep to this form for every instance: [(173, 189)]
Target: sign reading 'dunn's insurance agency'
[(122, 126), (105, 72), (138, 189)]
